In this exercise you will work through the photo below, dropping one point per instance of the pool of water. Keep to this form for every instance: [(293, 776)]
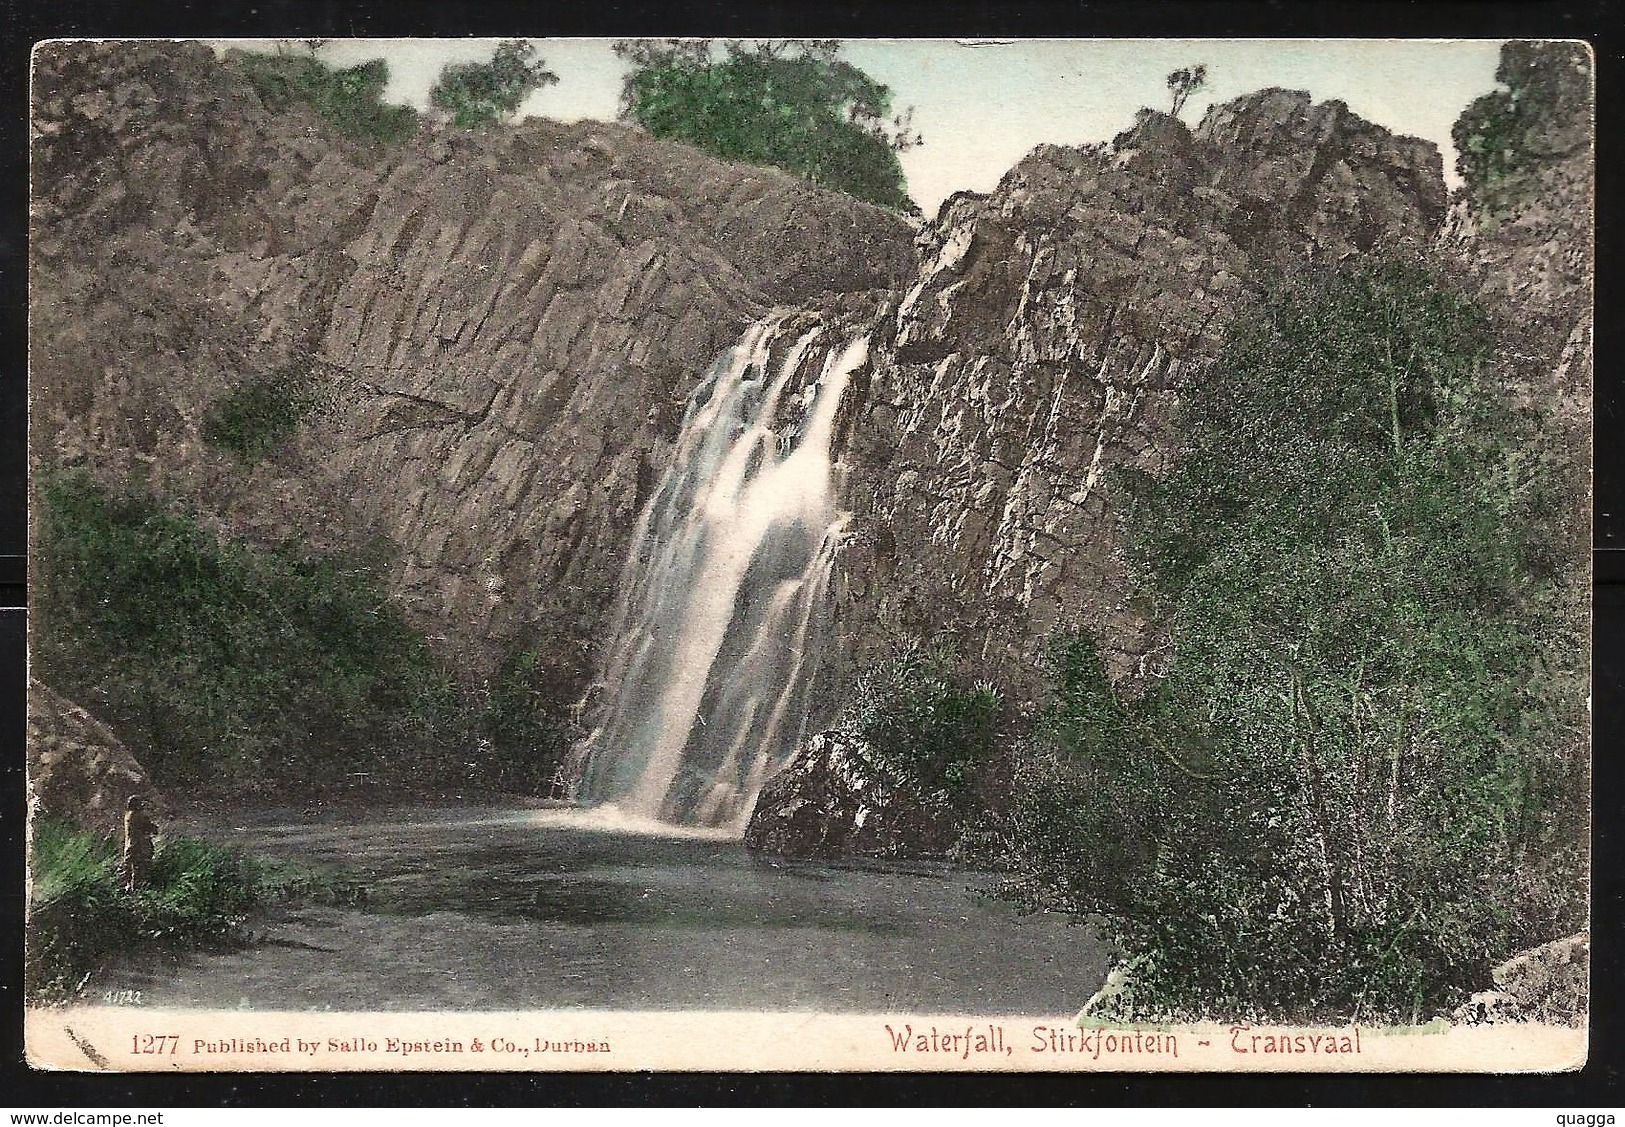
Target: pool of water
[(534, 909)]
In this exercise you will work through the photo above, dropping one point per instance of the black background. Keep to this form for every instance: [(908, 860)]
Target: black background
[(22, 22)]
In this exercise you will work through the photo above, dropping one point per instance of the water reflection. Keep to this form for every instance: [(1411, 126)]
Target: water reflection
[(504, 909)]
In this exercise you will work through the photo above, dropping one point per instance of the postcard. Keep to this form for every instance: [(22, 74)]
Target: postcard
[(1002, 555)]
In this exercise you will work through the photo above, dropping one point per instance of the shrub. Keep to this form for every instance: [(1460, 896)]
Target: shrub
[(790, 104), (524, 722), (1329, 803), (476, 94), (350, 100), (919, 726), (195, 895), (256, 416), (228, 665)]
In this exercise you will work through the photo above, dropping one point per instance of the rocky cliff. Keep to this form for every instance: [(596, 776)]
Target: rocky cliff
[(1042, 350), (503, 325), (1523, 242)]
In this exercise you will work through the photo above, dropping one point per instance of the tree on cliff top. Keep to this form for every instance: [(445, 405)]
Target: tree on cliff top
[(350, 98), (1184, 82), (790, 104), (1503, 138), (475, 94)]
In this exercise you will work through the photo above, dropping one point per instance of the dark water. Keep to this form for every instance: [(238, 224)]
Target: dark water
[(525, 909)]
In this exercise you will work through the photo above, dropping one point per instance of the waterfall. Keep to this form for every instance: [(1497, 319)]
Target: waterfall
[(723, 610)]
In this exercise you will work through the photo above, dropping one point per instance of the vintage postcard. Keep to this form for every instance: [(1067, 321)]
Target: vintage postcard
[(810, 555)]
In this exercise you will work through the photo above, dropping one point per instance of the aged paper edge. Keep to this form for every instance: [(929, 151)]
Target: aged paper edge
[(114, 1039)]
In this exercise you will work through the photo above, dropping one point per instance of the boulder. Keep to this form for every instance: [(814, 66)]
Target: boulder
[(829, 803), (78, 770), (1550, 984)]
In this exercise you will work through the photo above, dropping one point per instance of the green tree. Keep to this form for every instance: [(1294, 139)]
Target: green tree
[(476, 94), (1504, 137), (1330, 802), (349, 99), (790, 104)]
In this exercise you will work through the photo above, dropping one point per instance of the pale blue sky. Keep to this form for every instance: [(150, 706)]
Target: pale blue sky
[(980, 108)]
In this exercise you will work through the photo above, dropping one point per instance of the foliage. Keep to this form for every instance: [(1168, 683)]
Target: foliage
[(253, 418), (228, 665), (350, 100), (522, 721), (790, 104), (1502, 137), (1184, 82), (476, 94), (1328, 802), (196, 894), (919, 726)]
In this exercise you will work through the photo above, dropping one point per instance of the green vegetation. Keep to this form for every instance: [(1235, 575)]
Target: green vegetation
[(196, 895), (476, 94), (790, 104), (254, 418), (227, 666), (921, 728), (522, 722), (350, 100), (1503, 137), (1357, 779)]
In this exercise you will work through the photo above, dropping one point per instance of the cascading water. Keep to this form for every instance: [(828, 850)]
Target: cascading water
[(723, 606)]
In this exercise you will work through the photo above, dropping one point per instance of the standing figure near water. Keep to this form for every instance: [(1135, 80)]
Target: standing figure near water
[(135, 863)]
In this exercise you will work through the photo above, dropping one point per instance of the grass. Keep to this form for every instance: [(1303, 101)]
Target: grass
[(197, 895)]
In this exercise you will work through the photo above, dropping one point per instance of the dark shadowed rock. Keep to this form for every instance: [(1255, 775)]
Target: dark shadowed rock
[(829, 803)]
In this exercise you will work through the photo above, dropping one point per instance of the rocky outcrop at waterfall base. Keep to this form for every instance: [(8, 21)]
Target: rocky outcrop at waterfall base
[(830, 803), (500, 327)]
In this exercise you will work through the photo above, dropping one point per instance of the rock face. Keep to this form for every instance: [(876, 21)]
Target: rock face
[(1526, 248), (1043, 348), (828, 804), (1550, 984), (525, 321), (505, 324), (1040, 352), (78, 770)]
